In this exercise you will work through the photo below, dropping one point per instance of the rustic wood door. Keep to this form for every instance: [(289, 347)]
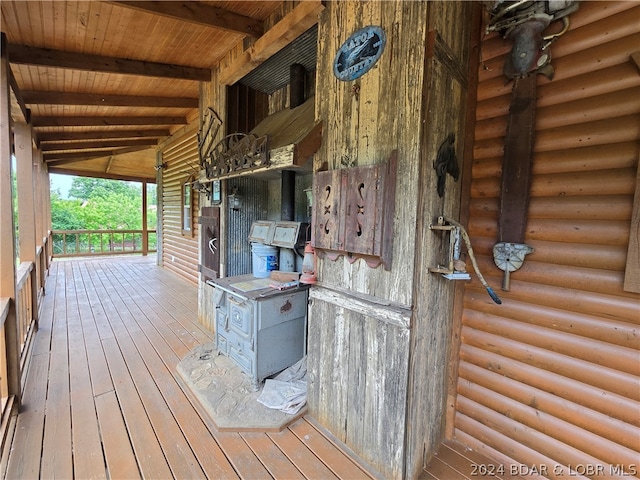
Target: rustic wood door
[(210, 242)]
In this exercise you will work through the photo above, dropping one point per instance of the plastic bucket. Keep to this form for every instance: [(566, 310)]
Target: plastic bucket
[(265, 259)]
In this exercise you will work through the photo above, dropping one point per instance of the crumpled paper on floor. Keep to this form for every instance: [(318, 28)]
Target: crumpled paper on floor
[(286, 391)]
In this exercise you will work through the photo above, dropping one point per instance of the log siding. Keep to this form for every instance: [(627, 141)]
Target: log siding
[(552, 375), (179, 250)]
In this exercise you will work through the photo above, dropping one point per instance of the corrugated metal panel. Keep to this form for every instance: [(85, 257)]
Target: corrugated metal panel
[(273, 74), (179, 252), (552, 376), (254, 207)]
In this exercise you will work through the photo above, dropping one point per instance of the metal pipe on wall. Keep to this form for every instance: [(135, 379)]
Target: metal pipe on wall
[(288, 195), (297, 76)]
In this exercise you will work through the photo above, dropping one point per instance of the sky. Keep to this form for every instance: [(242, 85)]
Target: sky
[(62, 183)]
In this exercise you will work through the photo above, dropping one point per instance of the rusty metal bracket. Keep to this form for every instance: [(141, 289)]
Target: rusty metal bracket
[(235, 153)]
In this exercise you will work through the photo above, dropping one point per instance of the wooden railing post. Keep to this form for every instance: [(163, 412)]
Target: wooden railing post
[(33, 278)]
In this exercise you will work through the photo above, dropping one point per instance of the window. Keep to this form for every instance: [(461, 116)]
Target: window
[(187, 207)]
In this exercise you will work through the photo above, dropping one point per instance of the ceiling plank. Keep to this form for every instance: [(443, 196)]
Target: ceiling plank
[(201, 14), (58, 158), (106, 143), (45, 137), (106, 121), (298, 21), (22, 54), (63, 98)]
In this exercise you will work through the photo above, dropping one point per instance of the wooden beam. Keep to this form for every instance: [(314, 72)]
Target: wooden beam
[(26, 113), (106, 121), (201, 14), (62, 158), (108, 142), (298, 21), (63, 98), (25, 55), (46, 137), (112, 176)]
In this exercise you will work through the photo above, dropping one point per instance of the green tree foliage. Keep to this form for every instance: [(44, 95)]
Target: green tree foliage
[(85, 188), (99, 204), (65, 213)]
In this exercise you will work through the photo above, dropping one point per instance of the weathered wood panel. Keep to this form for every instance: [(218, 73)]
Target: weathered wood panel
[(410, 101), (365, 125), (358, 384), (551, 376), (446, 89)]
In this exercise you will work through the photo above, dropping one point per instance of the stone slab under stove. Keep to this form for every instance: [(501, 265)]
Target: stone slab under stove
[(226, 394)]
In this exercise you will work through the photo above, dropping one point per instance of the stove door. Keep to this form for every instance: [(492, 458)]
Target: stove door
[(241, 318)]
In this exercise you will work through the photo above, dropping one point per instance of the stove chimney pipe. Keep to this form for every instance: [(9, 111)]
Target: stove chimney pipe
[(297, 74)]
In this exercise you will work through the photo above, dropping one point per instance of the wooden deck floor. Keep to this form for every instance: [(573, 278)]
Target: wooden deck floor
[(101, 399), (455, 461)]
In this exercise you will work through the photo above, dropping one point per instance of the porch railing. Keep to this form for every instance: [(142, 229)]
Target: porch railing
[(26, 308), (18, 323), (74, 243), (4, 386)]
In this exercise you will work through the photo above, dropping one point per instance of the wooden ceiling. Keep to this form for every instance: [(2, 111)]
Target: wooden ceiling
[(106, 81)]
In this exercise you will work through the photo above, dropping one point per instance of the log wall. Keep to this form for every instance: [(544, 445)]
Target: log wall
[(552, 376), (179, 252)]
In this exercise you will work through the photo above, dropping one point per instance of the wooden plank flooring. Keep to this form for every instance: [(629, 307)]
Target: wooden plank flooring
[(101, 399), (454, 461)]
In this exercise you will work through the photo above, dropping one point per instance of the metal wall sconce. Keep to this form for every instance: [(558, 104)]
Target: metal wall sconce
[(203, 188), (235, 200)]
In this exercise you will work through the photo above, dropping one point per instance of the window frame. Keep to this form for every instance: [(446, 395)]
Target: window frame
[(186, 186)]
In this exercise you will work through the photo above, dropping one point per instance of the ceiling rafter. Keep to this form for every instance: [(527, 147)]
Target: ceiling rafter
[(25, 55), (195, 12), (53, 168), (98, 143), (106, 121), (63, 98), (58, 85), (59, 158), (46, 137)]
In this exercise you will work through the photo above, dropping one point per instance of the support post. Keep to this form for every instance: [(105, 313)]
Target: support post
[(159, 202), (26, 191), (145, 232), (7, 227)]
